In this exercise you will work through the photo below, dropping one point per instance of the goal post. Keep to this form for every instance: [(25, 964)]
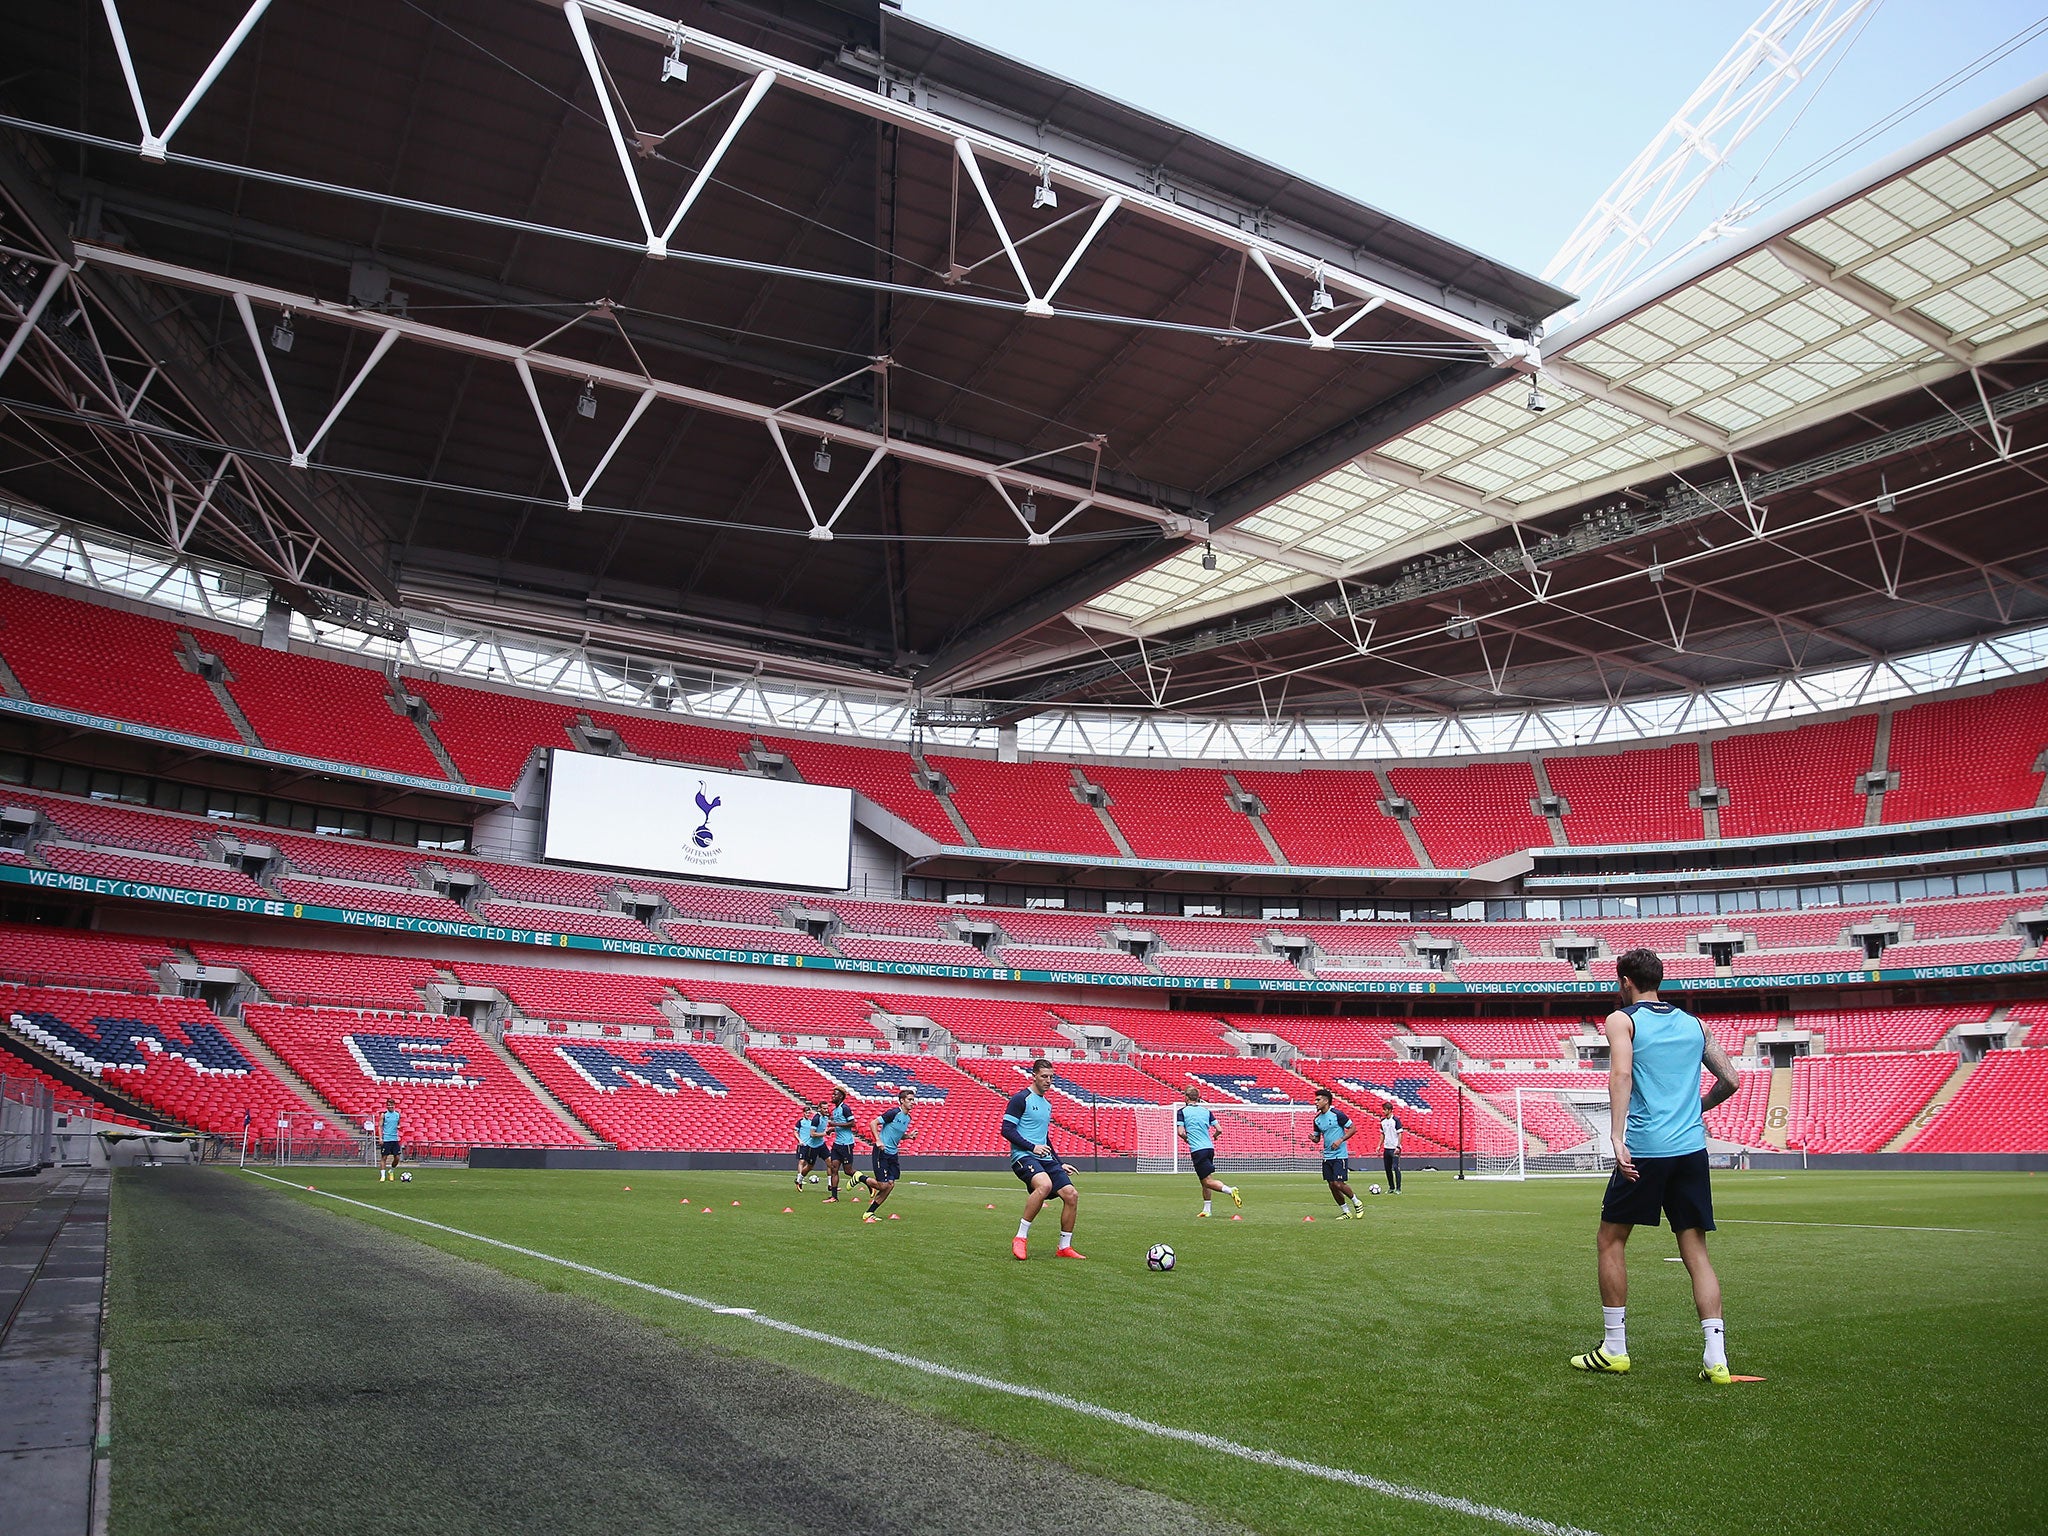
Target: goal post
[(1250, 1138), (1525, 1133)]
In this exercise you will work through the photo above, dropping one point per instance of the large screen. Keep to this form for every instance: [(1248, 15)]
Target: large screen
[(691, 821)]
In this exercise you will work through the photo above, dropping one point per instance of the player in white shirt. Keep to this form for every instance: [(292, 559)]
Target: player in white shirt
[(1390, 1149)]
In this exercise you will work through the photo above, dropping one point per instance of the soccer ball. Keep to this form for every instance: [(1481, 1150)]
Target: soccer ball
[(812, 1179), (1372, 1189), (405, 1178), (1159, 1256)]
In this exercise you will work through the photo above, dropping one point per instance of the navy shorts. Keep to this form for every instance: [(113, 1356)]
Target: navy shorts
[(839, 1154), (1676, 1187), (1204, 1159), (808, 1155), (887, 1168), (387, 1149), (1336, 1170), (1027, 1168)]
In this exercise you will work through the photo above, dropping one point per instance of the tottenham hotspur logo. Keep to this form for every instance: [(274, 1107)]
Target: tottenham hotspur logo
[(703, 836)]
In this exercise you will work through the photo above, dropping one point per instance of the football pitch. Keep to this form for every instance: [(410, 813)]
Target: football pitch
[(1290, 1376)]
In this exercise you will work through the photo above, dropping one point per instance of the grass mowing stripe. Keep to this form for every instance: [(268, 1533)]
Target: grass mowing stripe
[(1447, 1502), (1861, 1226)]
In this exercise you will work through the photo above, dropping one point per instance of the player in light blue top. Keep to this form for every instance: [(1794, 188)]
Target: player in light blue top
[(839, 1151), (892, 1128), (387, 1142), (1333, 1132), (810, 1142), (1195, 1123), (1027, 1127), (1655, 1052)]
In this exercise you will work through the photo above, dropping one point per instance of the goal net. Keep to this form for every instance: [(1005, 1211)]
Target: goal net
[(1250, 1138), (1523, 1133)]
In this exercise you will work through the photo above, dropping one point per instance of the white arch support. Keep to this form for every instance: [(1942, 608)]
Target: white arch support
[(156, 145)]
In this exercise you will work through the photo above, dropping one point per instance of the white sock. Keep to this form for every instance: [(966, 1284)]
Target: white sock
[(1615, 1320), (1357, 1204), (1066, 1241), (1205, 1208), (1717, 1340), (1023, 1229)]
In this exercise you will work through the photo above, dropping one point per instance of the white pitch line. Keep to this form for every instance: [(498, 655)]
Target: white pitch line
[(1860, 1226), (1444, 1501)]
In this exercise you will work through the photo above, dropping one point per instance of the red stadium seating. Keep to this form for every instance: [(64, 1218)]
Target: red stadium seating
[(1955, 919), (1968, 757), (1347, 1039), (1517, 970), (1057, 929), (371, 898), (1266, 967), (35, 953), (908, 952), (1801, 780), (1192, 936), (1155, 1029), (885, 777), (1502, 1039), (451, 1088), (307, 704), (169, 1052), (1798, 962), (1329, 817), (676, 740), (1024, 805), (1180, 813), (982, 1021), (1629, 797), (717, 902), (1858, 1103), (491, 735), (543, 887), (1888, 1029), (598, 925), (1470, 815), (1741, 1119), (323, 978), (104, 661), (2002, 1108), (1952, 952), (767, 941), (908, 919), (1090, 1099), (1426, 1103), (114, 826), (542, 992), (1098, 962), (181, 873), (340, 858), (794, 1010), (638, 1096)]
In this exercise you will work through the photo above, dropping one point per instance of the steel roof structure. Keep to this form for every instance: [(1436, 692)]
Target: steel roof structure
[(809, 341)]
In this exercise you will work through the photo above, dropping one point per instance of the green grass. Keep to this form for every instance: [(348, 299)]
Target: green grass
[(1426, 1344)]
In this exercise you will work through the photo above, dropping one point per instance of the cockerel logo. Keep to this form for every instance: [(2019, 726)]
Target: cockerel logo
[(703, 836)]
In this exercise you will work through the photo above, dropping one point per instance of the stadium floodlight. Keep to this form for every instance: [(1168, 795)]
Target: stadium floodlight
[(1322, 301), (586, 403), (1043, 195), (673, 67), (1208, 557), (281, 336), (1028, 508), (1656, 575), (821, 461), (1536, 402)]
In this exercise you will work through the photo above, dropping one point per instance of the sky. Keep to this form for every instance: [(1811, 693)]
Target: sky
[(1498, 123)]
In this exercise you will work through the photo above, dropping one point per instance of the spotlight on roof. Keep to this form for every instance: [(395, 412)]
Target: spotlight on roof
[(1028, 508), (1536, 402), (586, 403), (821, 461), (1321, 300), (1208, 557), (1043, 195), (673, 67), (1462, 626), (1656, 575), (281, 336)]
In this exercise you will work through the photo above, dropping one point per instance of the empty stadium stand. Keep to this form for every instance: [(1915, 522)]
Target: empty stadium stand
[(981, 1021), (1329, 817), (2002, 1108), (1801, 780), (1474, 813), (637, 1096), (1178, 813), (491, 736), (1024, 805), (1859, 1103), (956, 1113), (1888, 1029), (887, 778), (305, 704), (1155, 1030), (1968, 756), (321, 978), (1629, 797)]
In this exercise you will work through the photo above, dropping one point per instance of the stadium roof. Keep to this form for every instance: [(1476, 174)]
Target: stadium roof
[(1926, 266), (901, 334)]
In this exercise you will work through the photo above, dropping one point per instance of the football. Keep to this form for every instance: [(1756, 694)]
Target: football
[(812, 1179), (1372, 1189), (1159, 1256), (405, 1178)]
